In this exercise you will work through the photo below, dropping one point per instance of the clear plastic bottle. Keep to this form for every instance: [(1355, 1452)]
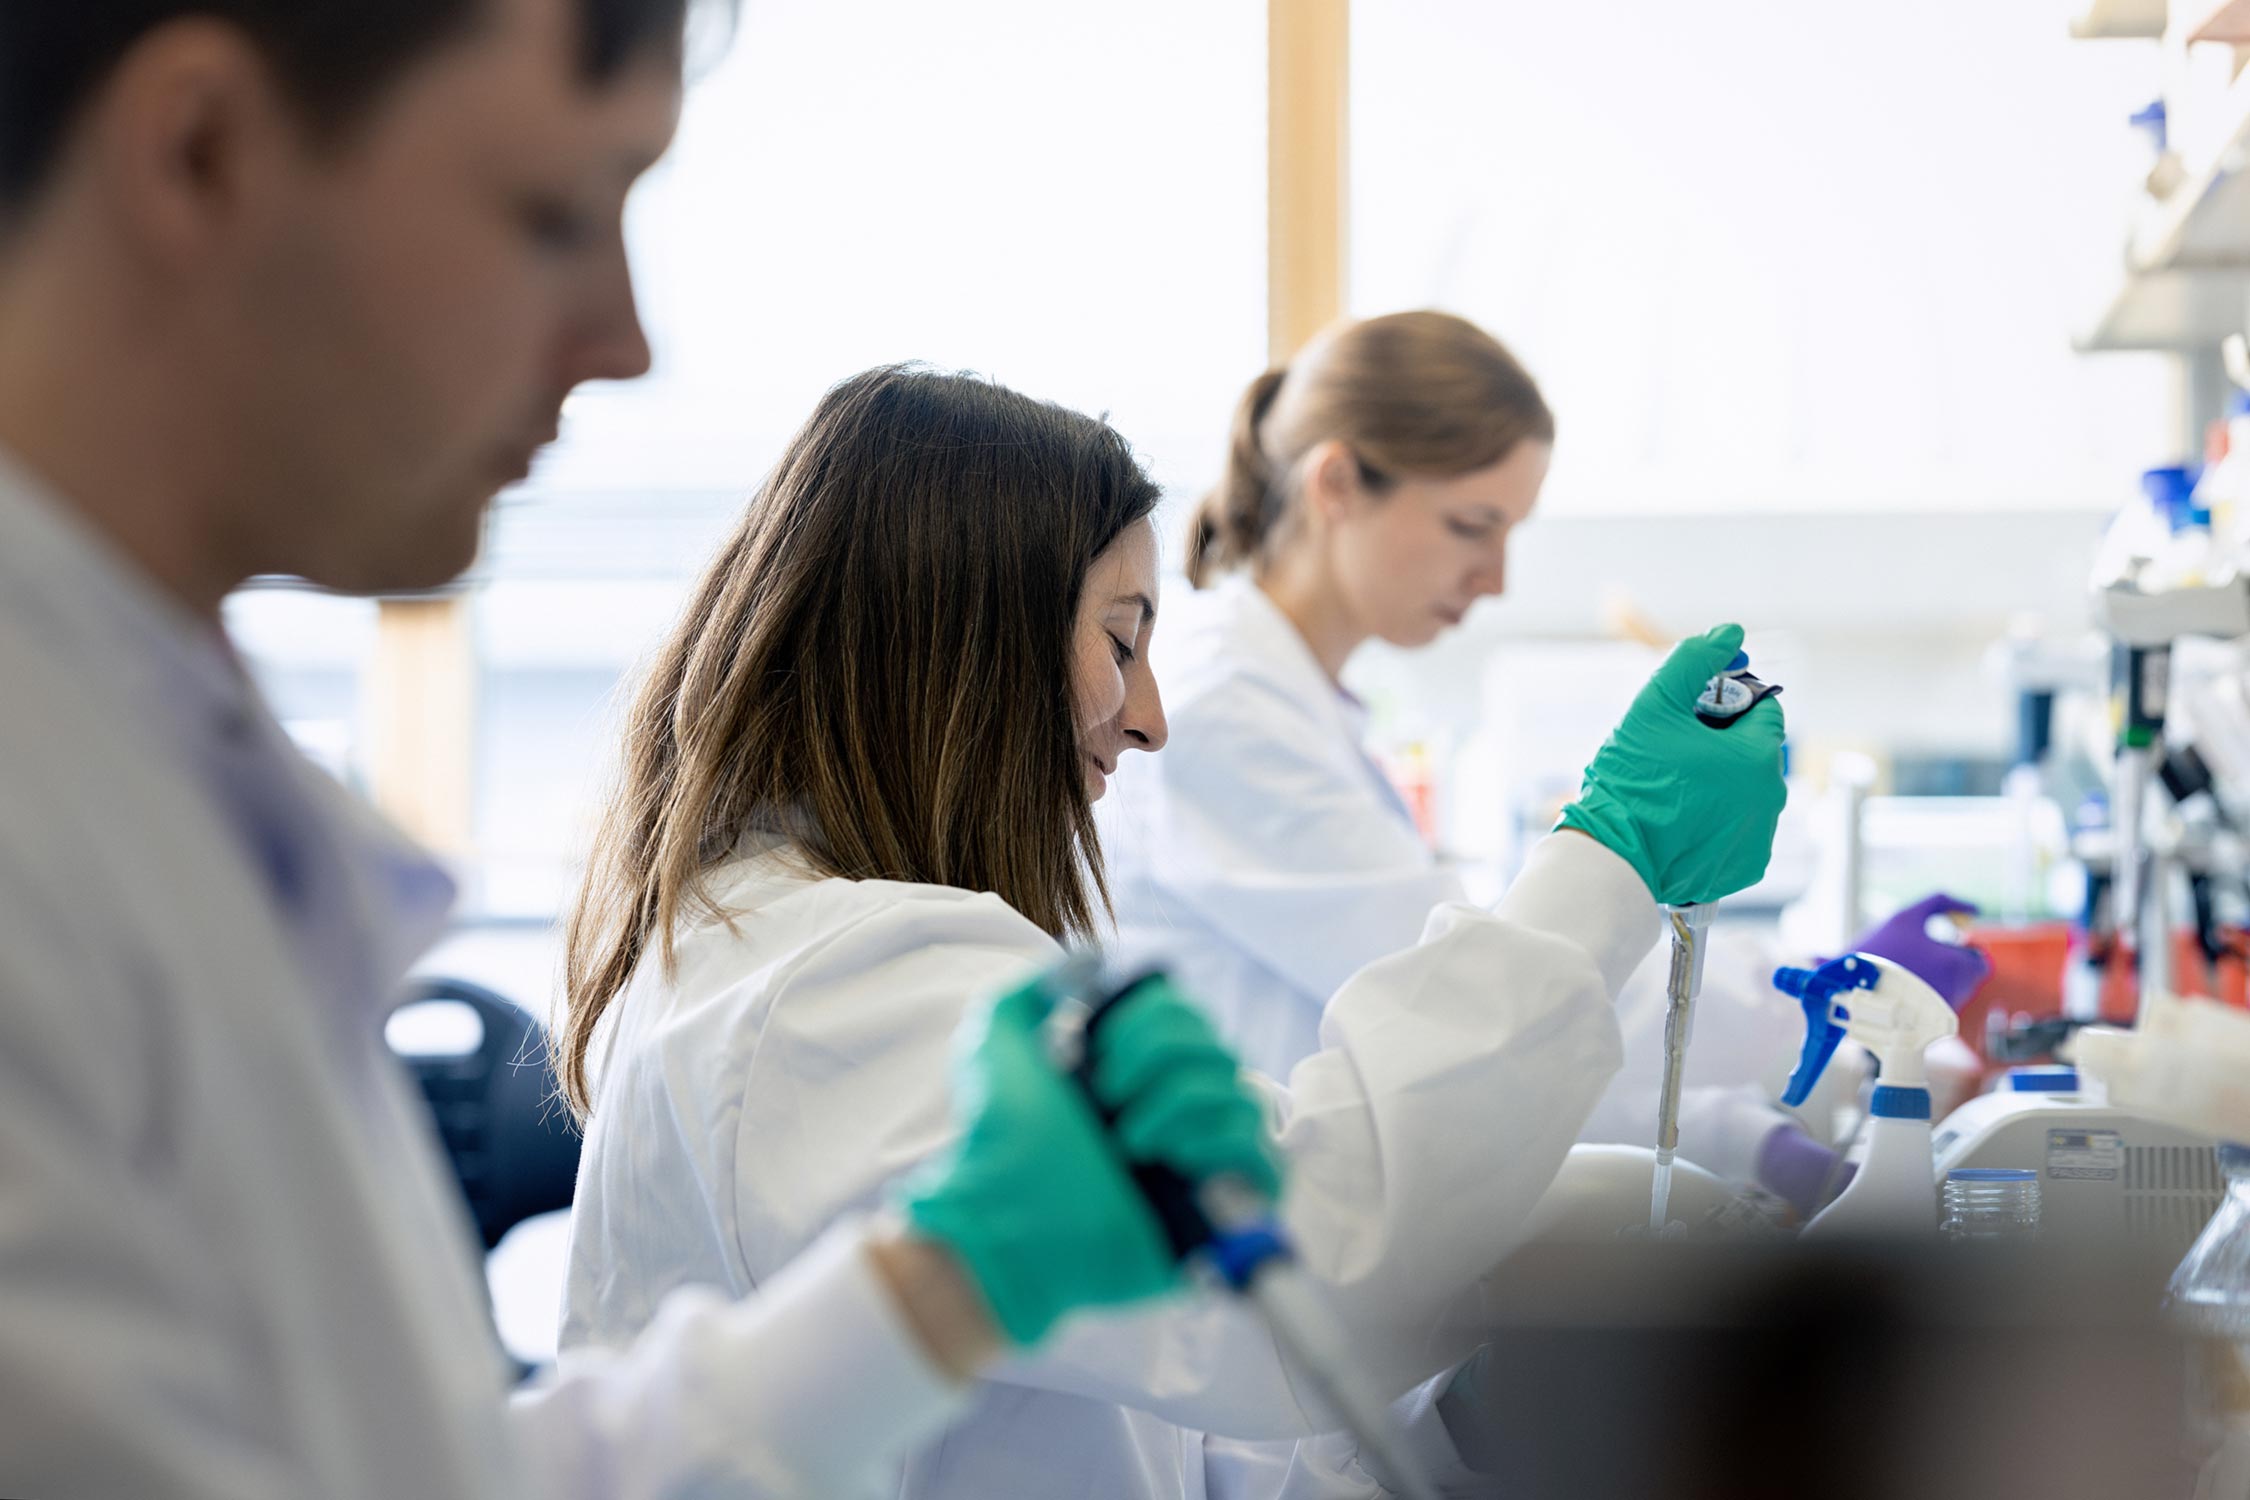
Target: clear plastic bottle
[(2210, 1299), (1990, 1203), (2210, 1292)]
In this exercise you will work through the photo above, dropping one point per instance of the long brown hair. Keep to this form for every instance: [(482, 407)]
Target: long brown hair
[(1420, 393), (876, 667)]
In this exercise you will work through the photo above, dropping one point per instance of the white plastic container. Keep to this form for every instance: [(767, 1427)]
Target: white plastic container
[(1893, 1194)]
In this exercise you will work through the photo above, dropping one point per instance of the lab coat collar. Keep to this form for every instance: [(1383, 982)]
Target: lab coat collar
[(62, 579), (382, 901), (1262, 628)]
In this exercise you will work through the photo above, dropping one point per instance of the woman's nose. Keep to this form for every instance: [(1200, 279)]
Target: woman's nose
[(1144, 711)]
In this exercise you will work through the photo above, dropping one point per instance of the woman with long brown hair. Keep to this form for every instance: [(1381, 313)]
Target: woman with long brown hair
[(857, 792)]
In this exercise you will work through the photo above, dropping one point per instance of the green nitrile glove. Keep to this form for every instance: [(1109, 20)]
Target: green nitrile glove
[(1035, 1196), (1177, 1091), (1692, 808)]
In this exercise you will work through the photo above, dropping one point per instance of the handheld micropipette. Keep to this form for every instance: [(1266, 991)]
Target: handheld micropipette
[(1230, 1228), (1726, 698)]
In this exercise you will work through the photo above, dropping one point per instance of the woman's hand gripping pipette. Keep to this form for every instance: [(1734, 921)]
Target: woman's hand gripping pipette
[(1691, 811), (1691, 849), (1214, 1196), (1726, 698)]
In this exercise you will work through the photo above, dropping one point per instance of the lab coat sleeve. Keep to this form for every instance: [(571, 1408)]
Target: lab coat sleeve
[(1452, 1080), (813, 1386), (1454, 1077), (1254, 821), (111, 1379), (118, 1375)]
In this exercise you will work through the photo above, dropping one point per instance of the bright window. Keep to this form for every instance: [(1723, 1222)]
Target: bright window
[(1769, 255), (1067, 198)]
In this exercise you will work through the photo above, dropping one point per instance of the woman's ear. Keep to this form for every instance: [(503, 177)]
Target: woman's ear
[(1331, 482)]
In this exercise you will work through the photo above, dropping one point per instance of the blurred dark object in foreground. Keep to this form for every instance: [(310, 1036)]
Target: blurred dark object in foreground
[(1782, 1371)]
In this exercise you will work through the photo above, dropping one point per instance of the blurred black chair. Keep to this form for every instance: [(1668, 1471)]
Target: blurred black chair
[(510, 1139)]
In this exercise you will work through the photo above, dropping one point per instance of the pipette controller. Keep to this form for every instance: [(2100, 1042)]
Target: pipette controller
[(1725, 699), (1228, 1227), (1732, 694)]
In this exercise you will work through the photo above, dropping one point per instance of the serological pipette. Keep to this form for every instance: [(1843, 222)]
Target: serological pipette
[(1725, 699), (1689, 924)]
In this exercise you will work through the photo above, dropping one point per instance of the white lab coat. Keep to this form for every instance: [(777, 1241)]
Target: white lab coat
[(1262, 854), (231, 1261), (1263, 857), (797, 1063)]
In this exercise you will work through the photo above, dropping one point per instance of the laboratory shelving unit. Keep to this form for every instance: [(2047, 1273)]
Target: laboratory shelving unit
[(2184, 279), (2186, 274)]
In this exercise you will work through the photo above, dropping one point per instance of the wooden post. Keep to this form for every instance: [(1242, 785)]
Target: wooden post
[(1308, 151), (421, 710)]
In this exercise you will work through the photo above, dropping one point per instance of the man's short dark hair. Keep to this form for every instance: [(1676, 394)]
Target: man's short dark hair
[(336, 56)]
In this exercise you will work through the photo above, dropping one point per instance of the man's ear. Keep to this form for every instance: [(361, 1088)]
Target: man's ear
[(186, 136)]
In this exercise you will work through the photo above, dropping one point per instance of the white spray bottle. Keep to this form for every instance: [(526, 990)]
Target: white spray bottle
[(1892, 1013)]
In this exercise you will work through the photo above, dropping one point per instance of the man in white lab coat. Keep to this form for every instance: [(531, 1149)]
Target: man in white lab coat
[(294, 286)]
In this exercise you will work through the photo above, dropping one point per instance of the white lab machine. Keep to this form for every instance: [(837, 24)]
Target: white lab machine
[(2107, 1174)]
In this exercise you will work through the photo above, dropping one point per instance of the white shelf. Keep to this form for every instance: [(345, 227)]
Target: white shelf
[(2187, 263), (2177, 309), (2102, 19), (2206, 220)]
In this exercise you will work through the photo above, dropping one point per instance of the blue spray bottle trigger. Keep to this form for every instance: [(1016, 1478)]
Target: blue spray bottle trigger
[(1817, 990)]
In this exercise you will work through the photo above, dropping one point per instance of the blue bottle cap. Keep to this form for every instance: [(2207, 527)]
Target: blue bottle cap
[(2043, 1080), (2168, 489), (1899, 1102), (1991, 1174)]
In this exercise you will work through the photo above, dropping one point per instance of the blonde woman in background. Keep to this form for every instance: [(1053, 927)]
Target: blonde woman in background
[(1371, 490)]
